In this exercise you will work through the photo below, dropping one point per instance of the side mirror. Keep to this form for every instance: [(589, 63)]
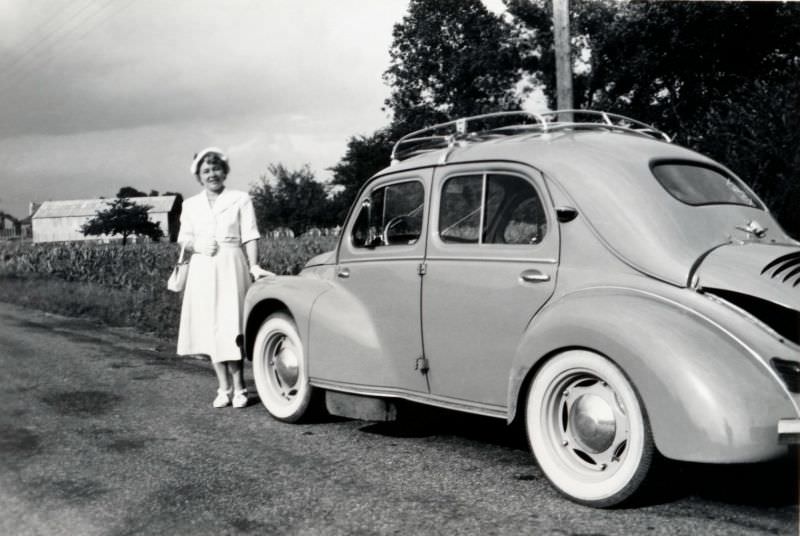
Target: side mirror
[(566, 214)]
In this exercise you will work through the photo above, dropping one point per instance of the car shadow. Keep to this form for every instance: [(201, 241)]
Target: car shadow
[(416, 420), (766, 484)]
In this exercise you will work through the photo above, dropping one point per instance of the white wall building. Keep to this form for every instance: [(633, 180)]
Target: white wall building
[(60, 221)]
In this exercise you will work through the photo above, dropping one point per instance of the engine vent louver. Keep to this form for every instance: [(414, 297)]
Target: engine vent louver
[(790, 372), (784, 321), (785, 269)]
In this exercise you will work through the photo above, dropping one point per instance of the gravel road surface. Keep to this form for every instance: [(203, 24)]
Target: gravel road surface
[(106, 432)]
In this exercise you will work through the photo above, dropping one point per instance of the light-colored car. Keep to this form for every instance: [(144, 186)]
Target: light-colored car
[(623, 295)]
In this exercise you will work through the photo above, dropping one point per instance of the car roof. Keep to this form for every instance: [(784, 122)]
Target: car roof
[(607, 175)]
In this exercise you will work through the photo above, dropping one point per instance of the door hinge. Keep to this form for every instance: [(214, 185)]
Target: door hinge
[(422, 269), (422, 364)]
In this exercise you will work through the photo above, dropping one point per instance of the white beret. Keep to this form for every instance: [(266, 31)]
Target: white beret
[(198, 157)]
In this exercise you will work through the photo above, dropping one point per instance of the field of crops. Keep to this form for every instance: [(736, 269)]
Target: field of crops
[(122, 285)]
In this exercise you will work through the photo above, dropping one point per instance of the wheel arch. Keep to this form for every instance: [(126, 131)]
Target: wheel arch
[(707, 399), (294, 295), (256, 317)]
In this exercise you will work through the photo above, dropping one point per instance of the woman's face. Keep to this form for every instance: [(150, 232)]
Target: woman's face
[(212, 175)]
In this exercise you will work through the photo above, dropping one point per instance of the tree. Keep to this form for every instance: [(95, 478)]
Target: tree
[(624, 60), (124, 218), (296, 200), (450, 59), (130, 191), (703, 80), (754, 131), (365, 156)]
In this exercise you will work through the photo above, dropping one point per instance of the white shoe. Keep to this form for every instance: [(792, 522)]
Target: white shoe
[(240, 398), (223, 398)]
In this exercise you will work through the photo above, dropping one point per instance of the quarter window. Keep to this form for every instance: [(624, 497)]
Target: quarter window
[(391, 215), (491, 209)]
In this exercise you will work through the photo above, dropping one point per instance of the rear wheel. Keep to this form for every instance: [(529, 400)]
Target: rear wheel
[(279, 369), (587, 429)]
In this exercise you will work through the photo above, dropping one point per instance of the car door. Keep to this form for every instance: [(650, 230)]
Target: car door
[(366, 331), (491, 264)]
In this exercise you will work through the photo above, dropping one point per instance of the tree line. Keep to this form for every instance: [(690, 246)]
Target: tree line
[(722, 78)]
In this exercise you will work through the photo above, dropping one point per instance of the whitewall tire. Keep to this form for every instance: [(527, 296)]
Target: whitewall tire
[(588, 429), (279, 369)]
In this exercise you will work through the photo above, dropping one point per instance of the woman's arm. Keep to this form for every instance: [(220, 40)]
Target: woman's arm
[(186, 231), (249, 234), (251, 250)]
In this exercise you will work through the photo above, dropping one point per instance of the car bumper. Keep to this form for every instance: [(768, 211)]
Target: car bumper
[(789, 431)]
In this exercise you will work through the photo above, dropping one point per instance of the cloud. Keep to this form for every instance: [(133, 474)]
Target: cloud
[(172, 61), (97, 98)]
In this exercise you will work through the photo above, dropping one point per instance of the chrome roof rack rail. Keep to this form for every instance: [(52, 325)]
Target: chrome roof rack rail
[(479, 128)]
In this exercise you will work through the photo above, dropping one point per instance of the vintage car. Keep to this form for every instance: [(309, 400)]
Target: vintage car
[(624, 296)]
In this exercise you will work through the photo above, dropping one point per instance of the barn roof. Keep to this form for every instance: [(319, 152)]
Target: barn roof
[(90, 207)]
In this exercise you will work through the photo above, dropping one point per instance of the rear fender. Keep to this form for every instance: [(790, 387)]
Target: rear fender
[(707, 396)]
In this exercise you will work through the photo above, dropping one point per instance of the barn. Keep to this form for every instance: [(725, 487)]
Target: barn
[(60, 221)]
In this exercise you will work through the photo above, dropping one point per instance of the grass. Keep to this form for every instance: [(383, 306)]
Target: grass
[(119, 285), (147, 311)]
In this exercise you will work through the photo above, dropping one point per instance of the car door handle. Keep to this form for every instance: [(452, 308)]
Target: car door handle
[(344, 273), (534, 276)]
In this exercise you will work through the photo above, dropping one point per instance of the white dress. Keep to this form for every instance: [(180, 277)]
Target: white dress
[(211, 315)]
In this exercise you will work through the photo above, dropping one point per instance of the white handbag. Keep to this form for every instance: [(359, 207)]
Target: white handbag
[(177, 279)]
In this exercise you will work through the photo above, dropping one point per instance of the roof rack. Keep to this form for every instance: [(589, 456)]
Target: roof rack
[(499, 124)]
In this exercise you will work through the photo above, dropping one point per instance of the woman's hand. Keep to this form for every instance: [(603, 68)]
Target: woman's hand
[(258, 272)]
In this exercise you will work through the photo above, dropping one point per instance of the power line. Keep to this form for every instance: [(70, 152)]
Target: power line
[(33, 48), (27, 42), (23, 72)]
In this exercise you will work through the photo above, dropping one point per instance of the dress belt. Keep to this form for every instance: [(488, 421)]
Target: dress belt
[(236, 244)]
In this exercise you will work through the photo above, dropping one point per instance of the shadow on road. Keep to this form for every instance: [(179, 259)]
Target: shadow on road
[(415, 420), (769, 484), (763, 484)]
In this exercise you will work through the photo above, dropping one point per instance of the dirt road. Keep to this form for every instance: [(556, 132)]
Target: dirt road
[(106, 432)]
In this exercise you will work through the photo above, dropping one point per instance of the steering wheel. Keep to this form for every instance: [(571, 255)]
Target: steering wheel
[(397, 220)]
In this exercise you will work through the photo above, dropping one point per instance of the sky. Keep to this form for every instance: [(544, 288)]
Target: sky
[(100, 94)]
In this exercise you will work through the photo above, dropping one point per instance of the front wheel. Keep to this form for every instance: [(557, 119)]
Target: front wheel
[(587, 429), (279, 369)]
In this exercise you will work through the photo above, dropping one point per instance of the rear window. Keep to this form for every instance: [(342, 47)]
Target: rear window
[(700, 185)]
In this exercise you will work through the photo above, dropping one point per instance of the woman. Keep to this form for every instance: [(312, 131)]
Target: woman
[(215, 225)]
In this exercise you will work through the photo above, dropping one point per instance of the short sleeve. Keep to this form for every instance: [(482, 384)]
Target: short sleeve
[(186, 232), (247, 221)]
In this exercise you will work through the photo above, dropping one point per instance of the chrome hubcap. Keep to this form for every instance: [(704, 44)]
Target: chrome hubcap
[(592, 423), (284, 365), (589, 422)]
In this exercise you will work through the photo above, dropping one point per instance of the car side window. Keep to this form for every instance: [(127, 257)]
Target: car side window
[(492, 208), (460, 212), (515, 214), (391, 215)]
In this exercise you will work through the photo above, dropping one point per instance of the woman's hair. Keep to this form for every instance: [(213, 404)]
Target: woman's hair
[(214, 158), (211, 155)]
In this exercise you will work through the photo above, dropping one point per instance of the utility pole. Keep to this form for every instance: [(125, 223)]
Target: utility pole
[(563, 57)]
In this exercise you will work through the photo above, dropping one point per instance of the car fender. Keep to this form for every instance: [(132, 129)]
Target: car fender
[(708, 396), (294, 294)]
